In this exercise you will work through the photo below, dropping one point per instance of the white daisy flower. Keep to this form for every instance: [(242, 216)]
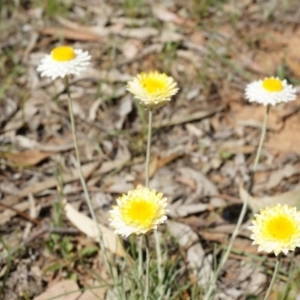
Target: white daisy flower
[(276, 229), (63, 61), (152, 89), (138, 212), (271, 91)]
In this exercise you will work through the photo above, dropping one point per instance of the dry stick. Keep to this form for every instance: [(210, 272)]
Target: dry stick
[(243, 211), (82, 179), (273, 277), (49, 183), (22, 214), (178, 120)]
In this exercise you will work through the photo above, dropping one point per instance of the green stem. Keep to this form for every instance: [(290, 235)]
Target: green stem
[(140, 257), (159, 261), (81, 176), (147, 163), (146, 294), (289, 282), (258, 152), (243, 211), (273, 277), (147, 166), (82, 179)]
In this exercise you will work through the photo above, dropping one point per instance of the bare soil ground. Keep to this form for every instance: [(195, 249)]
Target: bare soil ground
[(204, 140)]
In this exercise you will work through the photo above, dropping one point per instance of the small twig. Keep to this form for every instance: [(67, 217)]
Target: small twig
[(52, 182), (62, 230), (94, 124), (21, 214), (183, 119), (228, 198), (289, 114)]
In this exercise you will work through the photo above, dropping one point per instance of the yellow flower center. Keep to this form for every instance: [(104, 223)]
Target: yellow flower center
[(154, 85), (272, 85), (63, 53), (280, 228), (139, 212)]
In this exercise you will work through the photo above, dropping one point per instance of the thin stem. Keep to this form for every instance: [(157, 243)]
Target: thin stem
[(140, 257), (159, 260), (273, 277), (258, 152), (289, 282), (147, 163), (137, 270), (82, 179), (243, 211), (146, 294)]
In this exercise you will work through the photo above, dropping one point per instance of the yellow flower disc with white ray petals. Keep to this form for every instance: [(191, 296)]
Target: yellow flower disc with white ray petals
[(272, 85), (63, 53)]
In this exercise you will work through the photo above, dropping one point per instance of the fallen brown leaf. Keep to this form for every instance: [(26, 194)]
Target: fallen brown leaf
[(139, 33), (131, 48), (286, 136), (64, 290), (196, 258), (70, 34), (291, 198), (52, 182), (165, 15), (94, 293), (70, 25), (158, 162), (181, 119), (294, 65), (88, 226), (27, 158)]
